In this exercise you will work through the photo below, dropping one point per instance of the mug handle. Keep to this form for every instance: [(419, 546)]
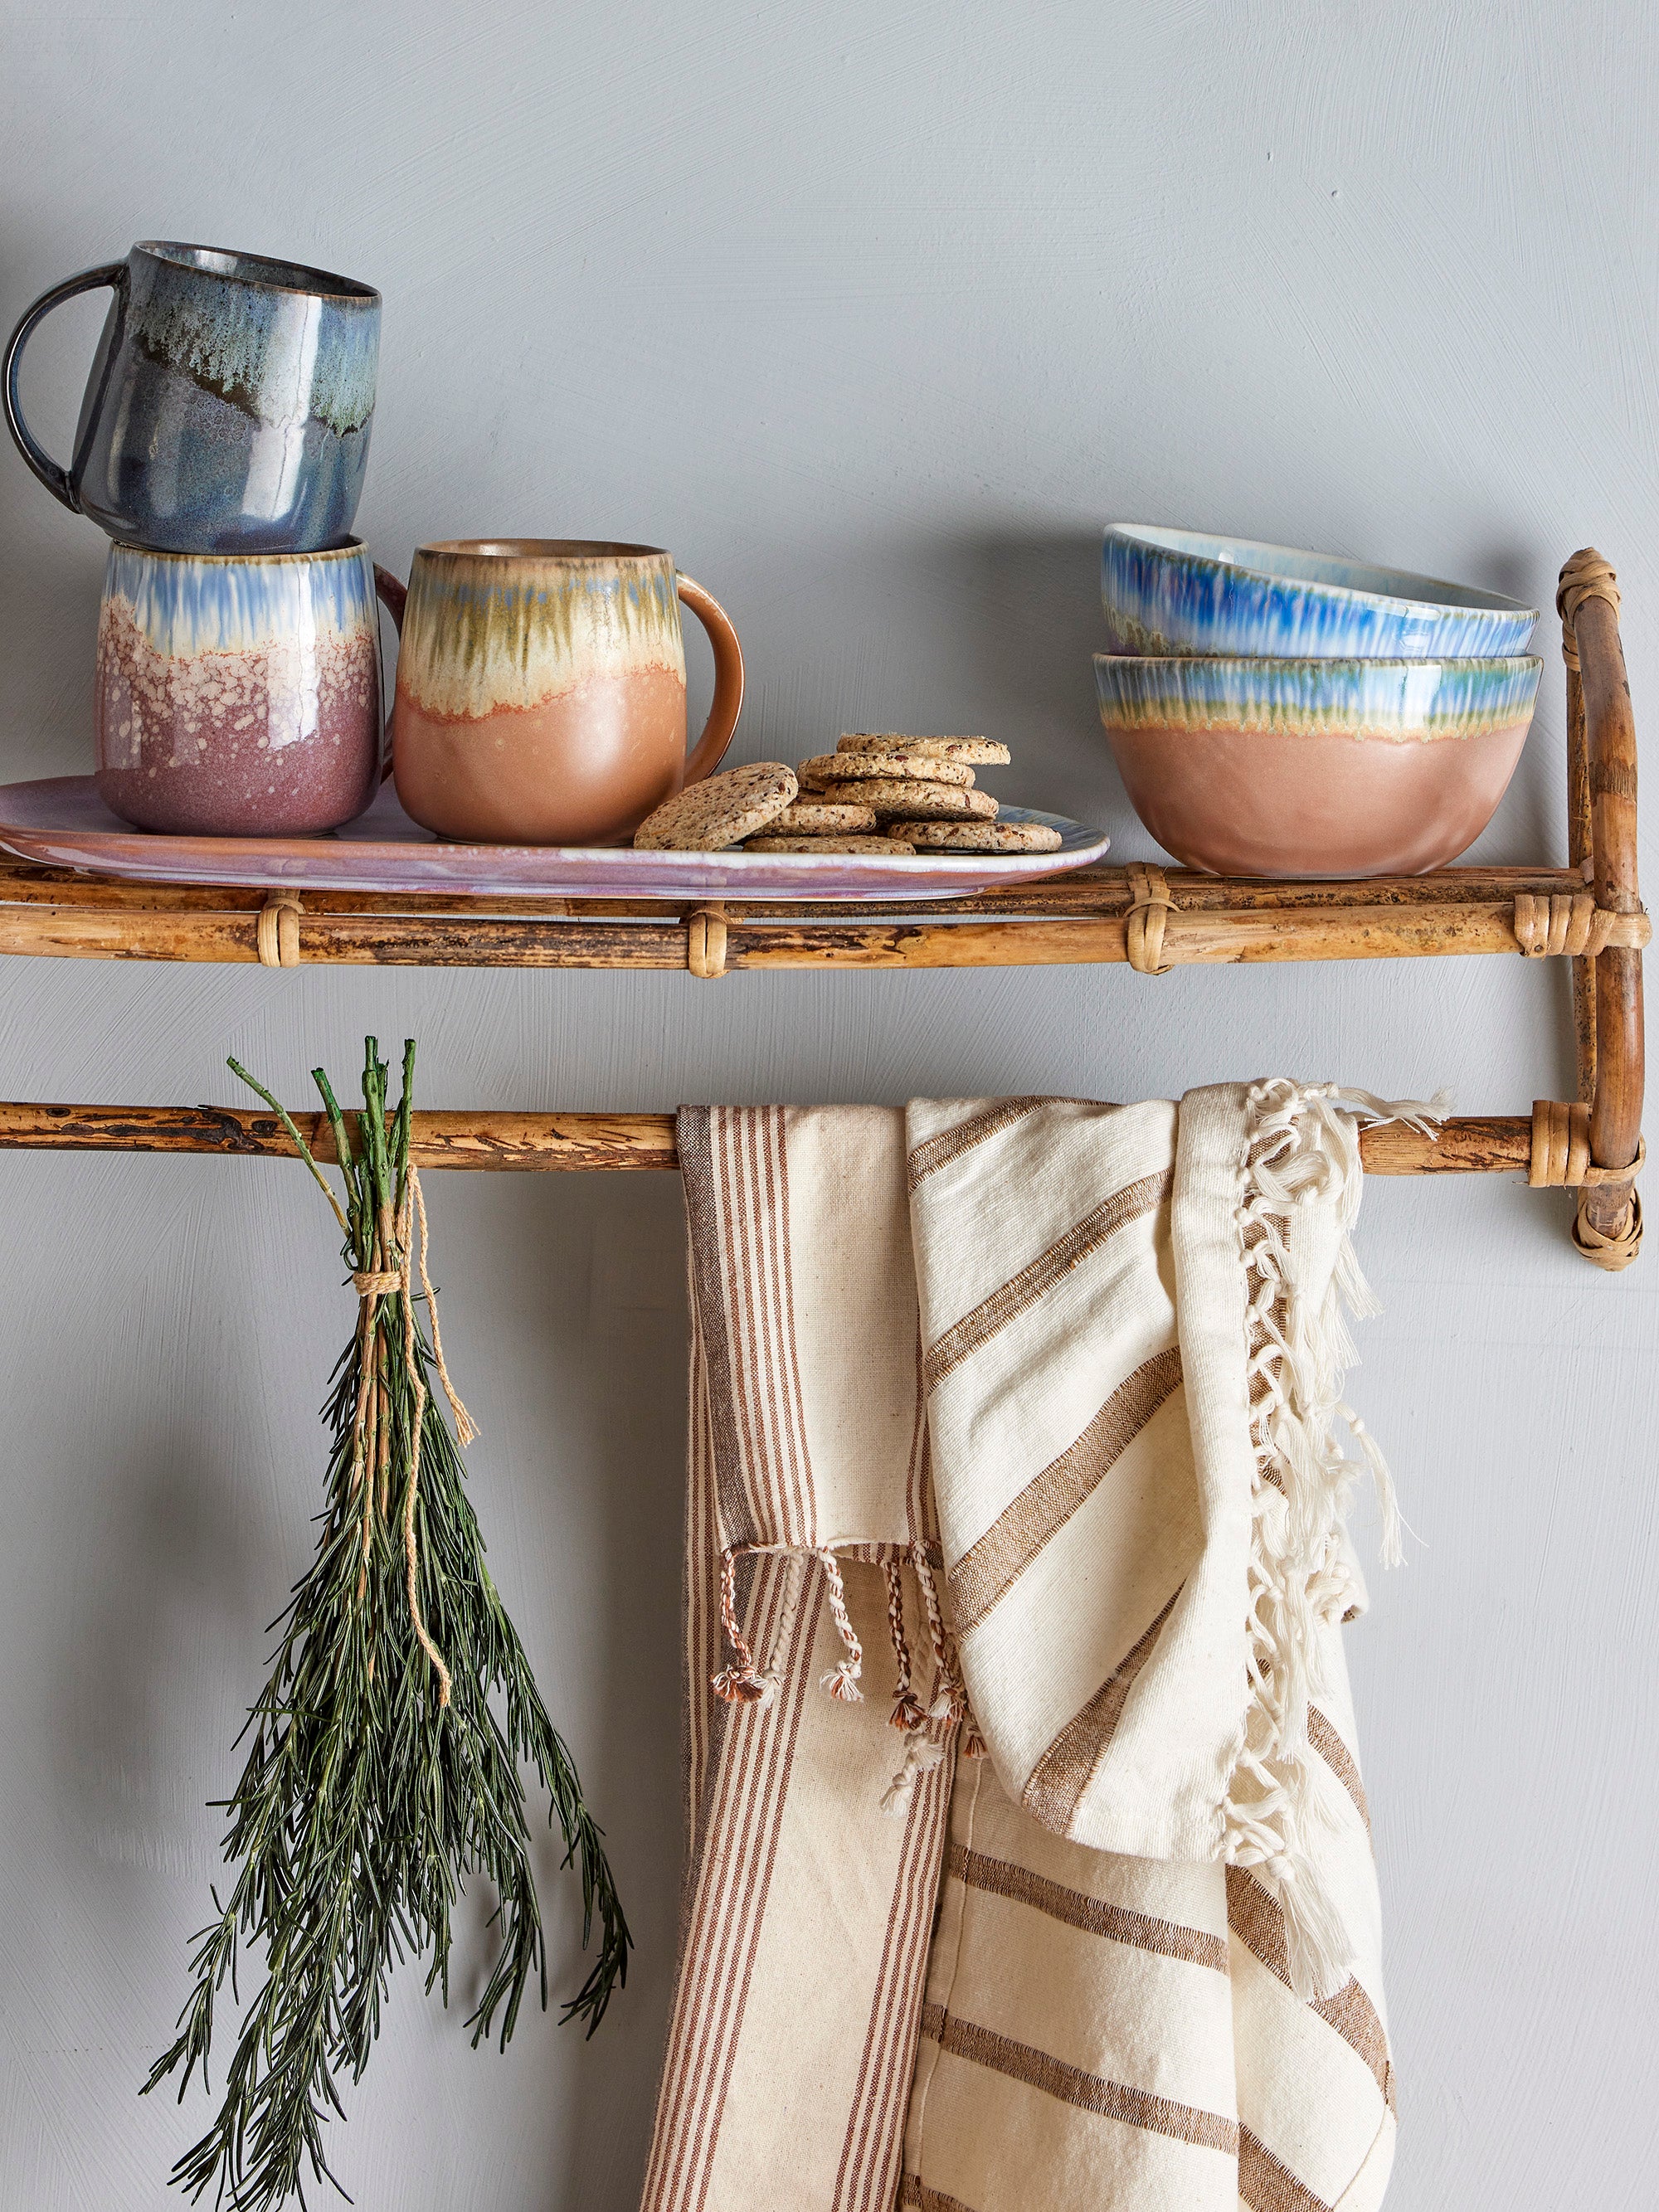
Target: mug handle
[(392, 596), (727, 704), (57, 481)]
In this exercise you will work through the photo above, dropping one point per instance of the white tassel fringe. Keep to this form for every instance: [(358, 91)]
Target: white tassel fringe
[(1302, 1154)]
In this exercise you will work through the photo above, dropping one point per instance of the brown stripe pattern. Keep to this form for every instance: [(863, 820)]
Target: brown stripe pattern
[(875, 2126), (1119, 1923), (995, 1561), (723, 1925), (763, 1381), (1090, 2093), (951, 1144), (915, 2195), (1257, 1920), (1336, 1755), (694, 1140), (1266, 2185), (976, 1329), (1057, 1782)]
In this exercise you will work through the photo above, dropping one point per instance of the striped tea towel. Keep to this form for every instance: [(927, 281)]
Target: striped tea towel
[(1132, 1357), (1012, 1429)]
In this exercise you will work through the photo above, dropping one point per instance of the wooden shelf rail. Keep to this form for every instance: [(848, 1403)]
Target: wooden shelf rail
[(1497, 1145), (1589, 913), (1085, 919)]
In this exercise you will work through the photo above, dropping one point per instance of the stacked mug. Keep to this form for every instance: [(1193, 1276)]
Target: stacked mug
[(221, 443), (1279, 713)]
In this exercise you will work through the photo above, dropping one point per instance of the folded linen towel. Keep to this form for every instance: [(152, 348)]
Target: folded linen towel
[(1014, 1428)]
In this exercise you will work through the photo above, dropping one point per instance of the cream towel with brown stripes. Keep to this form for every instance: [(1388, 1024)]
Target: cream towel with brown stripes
[(1132, 1354), (1077, 1502)]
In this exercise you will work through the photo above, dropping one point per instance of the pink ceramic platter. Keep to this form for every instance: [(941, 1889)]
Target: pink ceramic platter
[(60, 822)]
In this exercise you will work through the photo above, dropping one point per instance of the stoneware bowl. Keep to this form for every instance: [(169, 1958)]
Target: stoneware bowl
[(238, 697), (1315, 767), (229, 403), (1174, 592)]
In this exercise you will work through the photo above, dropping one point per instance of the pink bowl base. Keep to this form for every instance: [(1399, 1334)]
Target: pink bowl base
[(1254, 803)]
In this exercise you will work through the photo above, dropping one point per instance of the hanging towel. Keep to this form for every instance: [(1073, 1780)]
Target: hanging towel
[(1011, 1433)]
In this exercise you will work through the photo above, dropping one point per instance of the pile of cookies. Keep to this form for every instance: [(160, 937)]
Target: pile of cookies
[(877, 793)]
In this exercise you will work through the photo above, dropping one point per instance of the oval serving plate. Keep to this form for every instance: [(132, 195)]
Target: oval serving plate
[(60, 821)]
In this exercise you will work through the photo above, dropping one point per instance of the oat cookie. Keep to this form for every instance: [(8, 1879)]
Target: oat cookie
[(889, 846), (899, 798), (980, 837), (720, 810), (820, 818), (970, 752), (847, 768)]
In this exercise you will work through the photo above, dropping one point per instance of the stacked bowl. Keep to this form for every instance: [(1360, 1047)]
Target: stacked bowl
[(1277, 712)]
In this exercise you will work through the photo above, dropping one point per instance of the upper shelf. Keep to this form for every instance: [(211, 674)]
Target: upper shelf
[(1148, 917)]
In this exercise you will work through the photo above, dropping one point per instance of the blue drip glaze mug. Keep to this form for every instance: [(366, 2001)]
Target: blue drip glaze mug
[(228, 407), (238, 695)]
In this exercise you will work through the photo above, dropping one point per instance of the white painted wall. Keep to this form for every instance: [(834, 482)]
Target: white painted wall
[(874, 314)]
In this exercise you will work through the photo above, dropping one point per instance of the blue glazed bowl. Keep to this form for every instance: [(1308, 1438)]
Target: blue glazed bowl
[(1170, 592), (1316, 767)]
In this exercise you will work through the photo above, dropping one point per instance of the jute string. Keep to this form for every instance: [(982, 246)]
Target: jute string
[(371, 1446), (1571, 923), (1584, 575), (1150, 908), (1613, 1250)]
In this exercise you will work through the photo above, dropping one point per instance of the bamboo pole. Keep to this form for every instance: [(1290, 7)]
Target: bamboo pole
[(1494, 1144), (1214, 922), (1616, 1128), (1579, 853)]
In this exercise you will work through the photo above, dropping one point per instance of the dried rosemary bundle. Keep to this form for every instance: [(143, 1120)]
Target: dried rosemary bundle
[(380, 1775)]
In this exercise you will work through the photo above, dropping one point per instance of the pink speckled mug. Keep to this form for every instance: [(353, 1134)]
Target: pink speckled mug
[(238, 696)]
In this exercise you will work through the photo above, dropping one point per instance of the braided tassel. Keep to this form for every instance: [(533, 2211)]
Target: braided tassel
[(908, 1712), (740, 1684), (949, 1702), (842, 1682)]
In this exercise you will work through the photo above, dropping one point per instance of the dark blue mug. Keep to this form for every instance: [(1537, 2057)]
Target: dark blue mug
[(228, 407)]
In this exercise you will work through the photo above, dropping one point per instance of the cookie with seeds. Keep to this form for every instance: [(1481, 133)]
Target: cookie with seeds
[(979, 836), (721, 810), (891, 846), (824, 817), (853, 768), (899, 798), (967, 752)]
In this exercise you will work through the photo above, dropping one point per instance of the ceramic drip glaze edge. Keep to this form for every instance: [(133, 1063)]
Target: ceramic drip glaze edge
[(258, 348), (185, 604), (475, 645), (1197, 595), (1393, 702)]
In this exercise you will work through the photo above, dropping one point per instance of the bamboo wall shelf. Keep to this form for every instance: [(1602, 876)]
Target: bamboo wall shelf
[(1080, 919), (1589, 912)]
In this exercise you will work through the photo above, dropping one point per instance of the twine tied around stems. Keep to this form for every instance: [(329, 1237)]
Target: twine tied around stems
[(371, 1433)]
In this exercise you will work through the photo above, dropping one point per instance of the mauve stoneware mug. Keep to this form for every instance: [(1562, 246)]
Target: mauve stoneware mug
[(238, 697), (541, 688), (228, 407)]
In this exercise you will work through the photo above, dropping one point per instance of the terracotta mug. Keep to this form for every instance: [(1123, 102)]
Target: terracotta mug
[(541, 688)]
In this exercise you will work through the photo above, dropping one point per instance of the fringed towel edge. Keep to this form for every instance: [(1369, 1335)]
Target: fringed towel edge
[(1302, 1149)]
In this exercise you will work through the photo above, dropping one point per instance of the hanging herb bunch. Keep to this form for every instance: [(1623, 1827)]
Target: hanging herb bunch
[(380, 1774)]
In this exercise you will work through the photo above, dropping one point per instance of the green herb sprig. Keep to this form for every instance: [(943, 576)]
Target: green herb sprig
[(379, 1775)]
